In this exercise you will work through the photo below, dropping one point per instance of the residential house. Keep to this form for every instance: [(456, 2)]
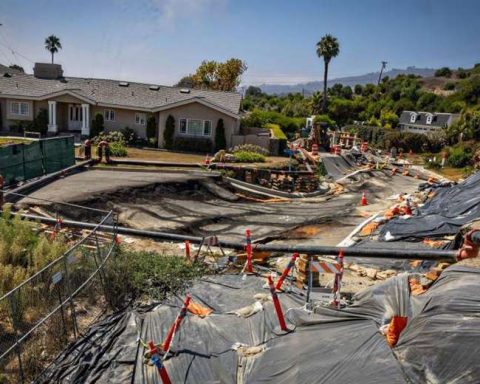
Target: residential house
[(72, 102), (425, 122)]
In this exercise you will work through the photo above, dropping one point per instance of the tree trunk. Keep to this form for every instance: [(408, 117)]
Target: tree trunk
[(325, 77), (52, 57)]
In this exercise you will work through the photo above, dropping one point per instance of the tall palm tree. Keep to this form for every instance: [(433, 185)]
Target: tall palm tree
[(52, 44), (328, 47)]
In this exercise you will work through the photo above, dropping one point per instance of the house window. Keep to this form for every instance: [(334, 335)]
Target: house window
[(75, 112), (207, 128), (194, 127), (109, 115), (429, 119), (19, 108), (140, 118), (413, 117), (183, 125)]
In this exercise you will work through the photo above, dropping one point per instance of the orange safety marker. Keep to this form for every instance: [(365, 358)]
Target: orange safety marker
[(248, 249), (187, 249), (176, 324), (286, 271), (325, 267), (157, 361), (117, 240), (276, 303), (363, 201)]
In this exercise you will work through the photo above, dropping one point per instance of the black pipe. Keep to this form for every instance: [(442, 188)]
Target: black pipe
[(409, 254)]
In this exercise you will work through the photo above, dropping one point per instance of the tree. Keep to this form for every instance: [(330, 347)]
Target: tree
[(328, 48), (253, 91), (220, 141), (151, 128), (358, 89), (52, 44), (219, 76), (186, 82), (169, 132), (97, 125)]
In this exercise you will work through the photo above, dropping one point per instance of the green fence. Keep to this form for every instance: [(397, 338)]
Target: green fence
[(21, 162)]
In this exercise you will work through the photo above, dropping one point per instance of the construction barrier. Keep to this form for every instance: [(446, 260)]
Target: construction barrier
[(157, 362), (276, 303), (286, 271), (21, 162), (248, 249), (337, 283), (176, 324)]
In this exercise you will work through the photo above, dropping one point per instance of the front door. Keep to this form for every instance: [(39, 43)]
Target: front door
[(75, 117)]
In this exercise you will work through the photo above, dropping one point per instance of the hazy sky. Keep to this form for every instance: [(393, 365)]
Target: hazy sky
[(159, 41)]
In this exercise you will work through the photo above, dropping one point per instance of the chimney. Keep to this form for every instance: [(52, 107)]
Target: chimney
[(48, 71)]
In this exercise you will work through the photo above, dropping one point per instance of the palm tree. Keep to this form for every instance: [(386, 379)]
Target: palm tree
[(52, 44), (328, 47)]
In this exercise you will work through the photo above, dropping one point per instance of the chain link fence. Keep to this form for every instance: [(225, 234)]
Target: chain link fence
[(41, 316)]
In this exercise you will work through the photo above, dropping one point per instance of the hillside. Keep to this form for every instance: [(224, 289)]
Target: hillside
[(313, 86)]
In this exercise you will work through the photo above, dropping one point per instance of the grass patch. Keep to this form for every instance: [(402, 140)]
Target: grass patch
[(277, 131)]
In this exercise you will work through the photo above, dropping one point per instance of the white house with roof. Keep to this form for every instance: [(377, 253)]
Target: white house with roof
[(425, 122), (72, 102)]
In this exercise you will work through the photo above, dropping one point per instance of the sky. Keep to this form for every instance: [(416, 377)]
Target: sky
[(159, 41)]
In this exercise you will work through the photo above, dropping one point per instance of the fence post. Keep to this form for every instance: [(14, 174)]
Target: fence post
[(70, 299), (17, 345)]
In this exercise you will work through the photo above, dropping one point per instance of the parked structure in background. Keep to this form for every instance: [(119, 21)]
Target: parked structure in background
[(425, 122), (72, 102)]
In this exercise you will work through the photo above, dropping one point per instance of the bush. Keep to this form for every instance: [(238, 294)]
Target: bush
[(249, 157), (443, 72), (449, 86), (250, 148), (169, 132), (220, 141), (193, 144), (40, 123), (151, 128), (459, 157), (140, 274), (97, 125), (130, 135), (111, 137), (118, 149)]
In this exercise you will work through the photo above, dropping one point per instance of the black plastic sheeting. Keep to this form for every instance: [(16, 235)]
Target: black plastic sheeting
[(444, 214), (439, 345), (338, 166)]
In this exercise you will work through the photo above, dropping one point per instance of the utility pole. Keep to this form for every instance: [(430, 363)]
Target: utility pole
[(384, 64)]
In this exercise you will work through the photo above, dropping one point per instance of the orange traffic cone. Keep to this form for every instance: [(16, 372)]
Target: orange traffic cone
[(364, 199), (207, 160)]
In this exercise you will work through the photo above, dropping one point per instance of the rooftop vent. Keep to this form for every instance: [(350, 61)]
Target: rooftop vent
[(123, 84), (154, 87), (48, 71), (184, 90)]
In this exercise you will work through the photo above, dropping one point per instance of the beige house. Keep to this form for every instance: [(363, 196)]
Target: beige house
[(73, 102)]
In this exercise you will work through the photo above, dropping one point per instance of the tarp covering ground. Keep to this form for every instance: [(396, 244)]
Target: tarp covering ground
[(444, 214), (439, 344), (338, 166)]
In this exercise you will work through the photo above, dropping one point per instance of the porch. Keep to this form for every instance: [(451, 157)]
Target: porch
[(68, 118)]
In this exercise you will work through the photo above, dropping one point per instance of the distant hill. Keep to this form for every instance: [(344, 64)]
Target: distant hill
[(314, 86)]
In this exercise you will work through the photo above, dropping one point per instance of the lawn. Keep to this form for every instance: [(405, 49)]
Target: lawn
[(9, 140)]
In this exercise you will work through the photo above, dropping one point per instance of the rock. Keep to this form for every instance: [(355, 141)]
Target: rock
[(371, 273)]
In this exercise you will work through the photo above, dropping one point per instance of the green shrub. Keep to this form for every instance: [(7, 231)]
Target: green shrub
[(449, 86), (130, 135), (118, 149), (459, 157), (249, 148), (97, 125), (193, 144), (443, 72), (40, 123), (220, 141), (151, 128), (111, 137), (169, 132), (249, 157), (140, 274)]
